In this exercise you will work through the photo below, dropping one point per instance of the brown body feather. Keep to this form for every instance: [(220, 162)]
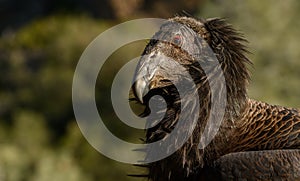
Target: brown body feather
[(250, 132), (269, 126)]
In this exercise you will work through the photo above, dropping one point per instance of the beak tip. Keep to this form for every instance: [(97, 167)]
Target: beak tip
[(140, 89)]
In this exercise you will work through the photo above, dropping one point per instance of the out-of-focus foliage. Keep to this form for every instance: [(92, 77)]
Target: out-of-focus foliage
[(15, 13), (39, 137), (38, 62)]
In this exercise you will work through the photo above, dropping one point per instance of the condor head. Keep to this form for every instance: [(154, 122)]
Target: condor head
[(169, 61)]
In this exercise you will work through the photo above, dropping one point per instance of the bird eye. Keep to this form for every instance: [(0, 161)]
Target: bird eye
[(177, 40)]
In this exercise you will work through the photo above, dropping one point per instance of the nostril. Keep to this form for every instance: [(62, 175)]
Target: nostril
[(153, 56)]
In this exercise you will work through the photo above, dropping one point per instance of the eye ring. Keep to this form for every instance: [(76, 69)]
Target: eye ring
[(177, 40)]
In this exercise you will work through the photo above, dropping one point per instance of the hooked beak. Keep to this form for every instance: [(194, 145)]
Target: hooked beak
[(153, 71), (148, 74)]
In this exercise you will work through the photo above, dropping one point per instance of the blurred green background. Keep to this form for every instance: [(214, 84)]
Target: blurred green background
[(41, 42)]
